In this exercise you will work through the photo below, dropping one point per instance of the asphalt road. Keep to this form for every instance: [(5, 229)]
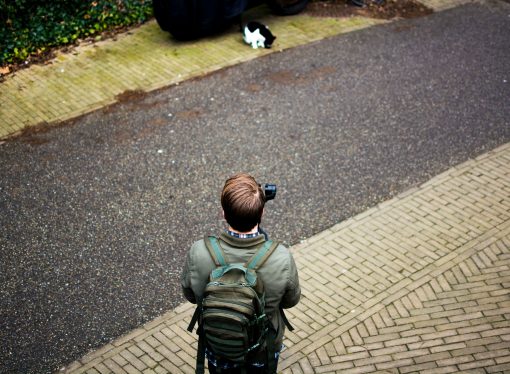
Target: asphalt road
[(97, 214)]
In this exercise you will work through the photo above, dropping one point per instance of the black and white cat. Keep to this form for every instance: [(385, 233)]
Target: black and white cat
[(258, 35)]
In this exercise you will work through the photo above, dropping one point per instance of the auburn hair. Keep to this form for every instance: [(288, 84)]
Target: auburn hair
[(242, 201)]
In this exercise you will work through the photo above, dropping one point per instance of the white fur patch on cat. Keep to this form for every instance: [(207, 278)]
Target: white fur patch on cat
[(255, 39)]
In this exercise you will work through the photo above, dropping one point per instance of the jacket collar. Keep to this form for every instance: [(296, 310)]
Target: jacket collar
[(242, 243)]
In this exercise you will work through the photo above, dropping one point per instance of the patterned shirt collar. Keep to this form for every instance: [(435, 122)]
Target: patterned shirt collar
[(243, 236)]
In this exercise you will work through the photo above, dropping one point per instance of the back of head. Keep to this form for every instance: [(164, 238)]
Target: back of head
[(243, 202)]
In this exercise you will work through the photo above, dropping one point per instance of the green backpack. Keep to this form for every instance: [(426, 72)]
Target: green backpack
[(232, 321)]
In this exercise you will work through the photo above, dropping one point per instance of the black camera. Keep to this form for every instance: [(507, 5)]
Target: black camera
[(269, 191)]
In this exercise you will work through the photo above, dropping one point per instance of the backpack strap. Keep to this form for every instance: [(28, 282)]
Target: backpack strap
[(260, 257), (214, 248), (286, 320), (195, 317), (200, 366), (270, 352), (257, 260)]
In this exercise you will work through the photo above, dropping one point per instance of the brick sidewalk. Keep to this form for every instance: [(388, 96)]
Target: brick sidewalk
[(145, 59), (417, 284)]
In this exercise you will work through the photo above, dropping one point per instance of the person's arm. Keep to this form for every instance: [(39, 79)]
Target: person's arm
[(186, 280), (293, 290)]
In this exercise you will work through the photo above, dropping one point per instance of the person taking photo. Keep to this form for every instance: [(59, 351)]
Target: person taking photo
[(241, 282)]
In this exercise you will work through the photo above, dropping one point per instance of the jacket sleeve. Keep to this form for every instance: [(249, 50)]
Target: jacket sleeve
[(186, 279), (293, 290)]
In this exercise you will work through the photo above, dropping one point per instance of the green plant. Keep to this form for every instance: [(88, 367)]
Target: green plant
[(29, 28)]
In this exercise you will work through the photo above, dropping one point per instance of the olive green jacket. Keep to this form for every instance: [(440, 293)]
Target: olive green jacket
[(279, 274)]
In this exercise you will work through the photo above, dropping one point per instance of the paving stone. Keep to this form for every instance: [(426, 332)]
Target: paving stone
[(447, 347), (114, 367)]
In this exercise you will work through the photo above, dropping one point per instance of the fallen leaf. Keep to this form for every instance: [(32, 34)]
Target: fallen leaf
[(4, 70)]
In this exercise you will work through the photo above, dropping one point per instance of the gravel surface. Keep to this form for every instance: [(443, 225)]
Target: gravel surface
[(97, 214)]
